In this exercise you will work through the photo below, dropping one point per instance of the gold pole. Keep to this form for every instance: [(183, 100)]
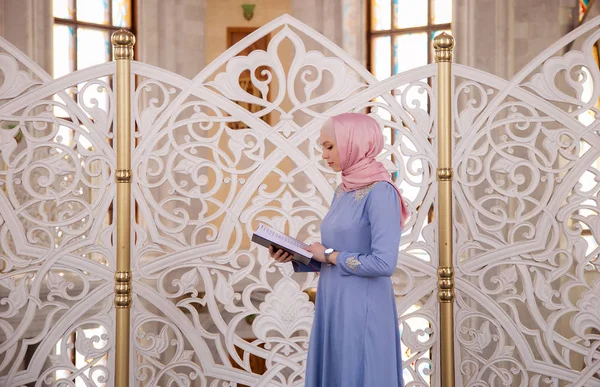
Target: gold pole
[(123, 42), (443, 44)]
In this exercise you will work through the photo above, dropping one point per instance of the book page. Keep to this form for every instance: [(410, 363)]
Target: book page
[(281, 238)]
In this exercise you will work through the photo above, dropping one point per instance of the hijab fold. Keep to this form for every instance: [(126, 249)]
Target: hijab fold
[(359, 141)]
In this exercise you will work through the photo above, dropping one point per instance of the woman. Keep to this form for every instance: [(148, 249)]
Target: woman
[(355, 339)]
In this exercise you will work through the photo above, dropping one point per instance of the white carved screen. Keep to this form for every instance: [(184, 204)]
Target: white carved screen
[(211, 309), (57, 257), (208, 305), (527, 177)]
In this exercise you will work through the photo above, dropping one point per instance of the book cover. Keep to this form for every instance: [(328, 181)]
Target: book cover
[(266, 236)]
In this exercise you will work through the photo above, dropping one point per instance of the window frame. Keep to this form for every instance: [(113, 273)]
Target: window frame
[(428, 28), (75, 24)]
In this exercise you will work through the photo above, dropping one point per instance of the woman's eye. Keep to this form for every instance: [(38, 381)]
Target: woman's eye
[(329, 148)]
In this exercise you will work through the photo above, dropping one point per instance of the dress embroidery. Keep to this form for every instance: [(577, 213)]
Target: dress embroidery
[(338, 191), (353, 263), (362, 192), (358, 194)]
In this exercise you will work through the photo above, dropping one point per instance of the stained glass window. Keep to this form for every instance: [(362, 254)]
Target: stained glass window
[(93, 11), (410, 13), (411, 26), (583, 7), (381, 18), (82, 30), (64, 9)]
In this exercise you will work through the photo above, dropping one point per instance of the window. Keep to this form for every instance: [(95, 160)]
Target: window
[(401, 27), (584, 6), (82, 30)]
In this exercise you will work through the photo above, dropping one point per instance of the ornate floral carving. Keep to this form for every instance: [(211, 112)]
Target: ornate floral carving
[(203, 184), (526, 237)]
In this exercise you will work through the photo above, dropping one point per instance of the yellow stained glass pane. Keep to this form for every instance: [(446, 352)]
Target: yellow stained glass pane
[(441, 12), (93, 11), (64, 9), (410, 13), (121, 13), (381, 15)]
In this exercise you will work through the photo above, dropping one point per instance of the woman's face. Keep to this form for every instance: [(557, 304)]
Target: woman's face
[(330, 152)]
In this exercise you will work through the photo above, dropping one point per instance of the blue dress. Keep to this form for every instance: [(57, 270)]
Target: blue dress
[(355, 340)]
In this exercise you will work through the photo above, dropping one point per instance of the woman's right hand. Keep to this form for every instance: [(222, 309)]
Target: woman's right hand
[(279, 255)]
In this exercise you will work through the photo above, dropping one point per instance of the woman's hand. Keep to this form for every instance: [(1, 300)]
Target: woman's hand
[(318, 251), (279, 255)]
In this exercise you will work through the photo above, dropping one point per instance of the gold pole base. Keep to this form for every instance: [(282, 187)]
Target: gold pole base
[(122, 348)]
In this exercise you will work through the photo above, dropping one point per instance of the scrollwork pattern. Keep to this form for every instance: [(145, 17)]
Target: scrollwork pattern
[(526, 237), (210, 308), (203, 183), (56, 243)]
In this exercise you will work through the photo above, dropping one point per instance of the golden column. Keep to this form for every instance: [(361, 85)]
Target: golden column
[(443, 45), (123, 42)]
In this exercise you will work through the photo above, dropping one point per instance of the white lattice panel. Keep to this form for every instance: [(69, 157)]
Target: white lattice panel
[(211, 160), (202, 187), (526, 207), (56, 242)]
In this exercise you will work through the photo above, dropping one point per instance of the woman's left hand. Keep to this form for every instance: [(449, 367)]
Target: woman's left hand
[(318, 251)]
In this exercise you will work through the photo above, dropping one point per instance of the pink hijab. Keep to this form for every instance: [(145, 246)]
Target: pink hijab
[(359, 141)]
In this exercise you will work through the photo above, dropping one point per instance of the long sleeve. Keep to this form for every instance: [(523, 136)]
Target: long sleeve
[(383, 210)]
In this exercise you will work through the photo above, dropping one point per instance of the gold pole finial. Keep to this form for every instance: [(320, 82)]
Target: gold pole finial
[(443, 45), (123, 42)]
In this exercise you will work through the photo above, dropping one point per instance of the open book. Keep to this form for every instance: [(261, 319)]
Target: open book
[(266, 236)]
